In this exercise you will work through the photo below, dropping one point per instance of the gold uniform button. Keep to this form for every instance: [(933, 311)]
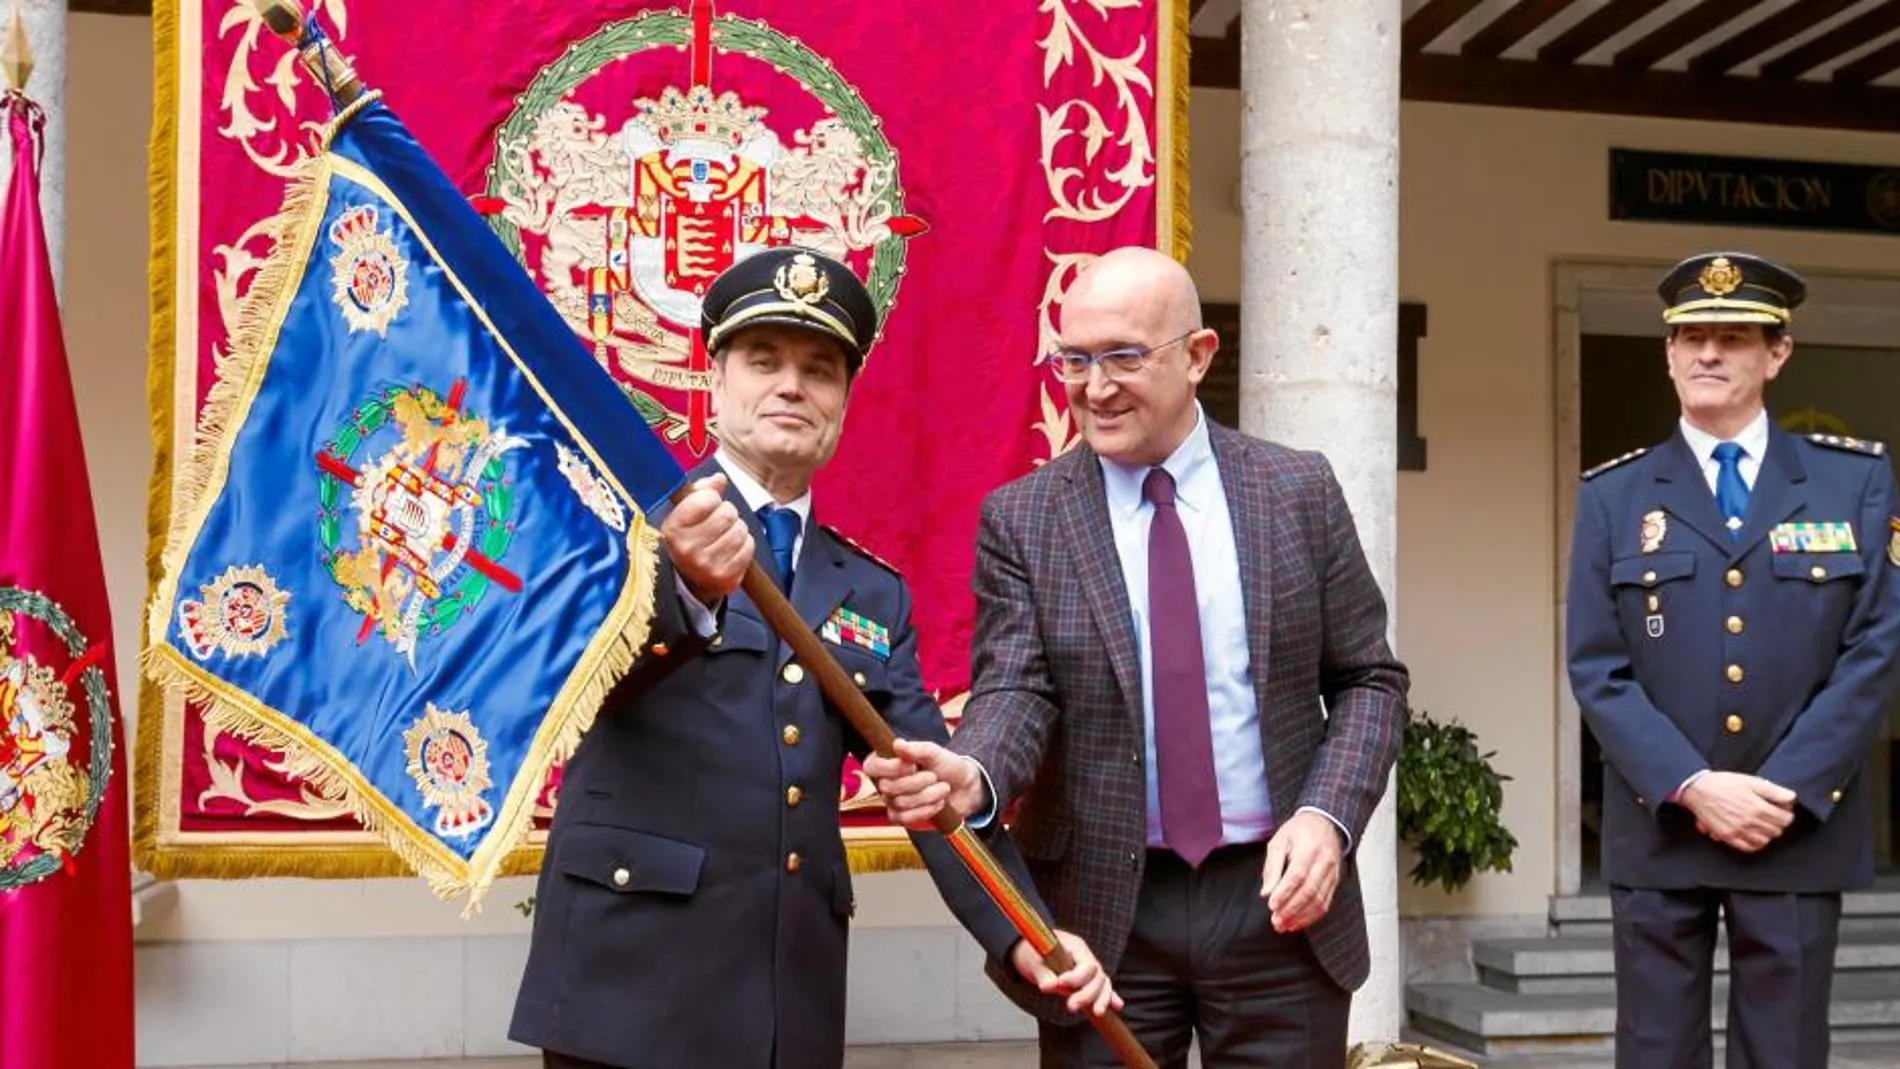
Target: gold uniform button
[(1655, 603), (719, 640), (1735, 673), (858, 678), (1734, 577), (791, 735), (793, 796), (1649, 577), (794, 673), (622, 877), (1835, 797), (1817, 572), (793, 861), (1734, 625), (1734, 724)]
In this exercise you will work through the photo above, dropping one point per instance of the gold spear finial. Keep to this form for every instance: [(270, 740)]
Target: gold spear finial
[(16, 55)]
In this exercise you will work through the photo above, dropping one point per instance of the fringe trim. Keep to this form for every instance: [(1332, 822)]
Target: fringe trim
[(1179, 210), (161, 185), (881, 856), (315, 768), (246, 357), (561, 731), (237, 371)]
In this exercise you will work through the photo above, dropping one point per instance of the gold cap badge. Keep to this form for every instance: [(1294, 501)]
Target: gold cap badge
[(800, 280), (1720, 278)]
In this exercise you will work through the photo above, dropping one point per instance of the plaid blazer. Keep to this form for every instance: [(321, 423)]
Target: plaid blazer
[(1055, 711)]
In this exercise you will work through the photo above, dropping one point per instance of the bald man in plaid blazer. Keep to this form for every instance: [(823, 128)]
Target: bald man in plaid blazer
[(1249, 932)]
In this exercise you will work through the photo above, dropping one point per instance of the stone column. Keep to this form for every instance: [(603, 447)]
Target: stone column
[(45, 23), (1319, 312)]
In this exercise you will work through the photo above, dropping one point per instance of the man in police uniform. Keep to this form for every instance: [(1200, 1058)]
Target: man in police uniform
[(1732, 626), (693, 906)]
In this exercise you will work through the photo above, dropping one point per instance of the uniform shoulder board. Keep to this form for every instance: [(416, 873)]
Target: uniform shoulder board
[(1851, 445), (861, 551), (1616, 462)]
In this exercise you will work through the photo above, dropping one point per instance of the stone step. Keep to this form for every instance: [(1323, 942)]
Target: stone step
[(1876, 909), (1582, 964), (1865, 1008)]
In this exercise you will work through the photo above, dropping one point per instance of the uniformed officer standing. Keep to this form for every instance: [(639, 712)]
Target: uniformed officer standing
[(693, 906), (1733, 622)]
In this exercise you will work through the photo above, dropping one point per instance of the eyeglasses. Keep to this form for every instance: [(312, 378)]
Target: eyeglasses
[(1072, 365)]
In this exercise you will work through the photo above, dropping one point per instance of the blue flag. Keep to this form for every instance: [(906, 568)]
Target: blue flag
[(414, 553)]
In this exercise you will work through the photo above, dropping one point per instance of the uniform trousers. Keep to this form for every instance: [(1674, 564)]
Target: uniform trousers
[(1203, 960), (1781, 973)]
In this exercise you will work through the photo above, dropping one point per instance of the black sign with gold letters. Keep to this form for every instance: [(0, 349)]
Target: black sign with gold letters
[(1676, 187)]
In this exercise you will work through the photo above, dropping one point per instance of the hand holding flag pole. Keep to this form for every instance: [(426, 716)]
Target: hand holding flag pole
[(334, 73)]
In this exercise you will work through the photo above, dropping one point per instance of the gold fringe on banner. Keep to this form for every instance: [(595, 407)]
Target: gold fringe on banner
[(1171, 105), (230, 711), (880, 851), (158, 846), (161, 185)]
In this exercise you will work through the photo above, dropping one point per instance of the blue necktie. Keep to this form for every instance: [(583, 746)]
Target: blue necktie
[(1731, 493), (781, 530)]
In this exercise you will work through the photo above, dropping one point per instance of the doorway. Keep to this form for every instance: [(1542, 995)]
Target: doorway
[(1614, 395)]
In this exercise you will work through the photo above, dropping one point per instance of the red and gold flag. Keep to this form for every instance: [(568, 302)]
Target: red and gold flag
[(964, 158), (65, 877)]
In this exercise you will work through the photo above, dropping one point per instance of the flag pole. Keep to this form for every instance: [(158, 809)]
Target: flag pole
[(333, 71)]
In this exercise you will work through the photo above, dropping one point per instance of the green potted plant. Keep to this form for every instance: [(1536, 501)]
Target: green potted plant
[(1449, 801)]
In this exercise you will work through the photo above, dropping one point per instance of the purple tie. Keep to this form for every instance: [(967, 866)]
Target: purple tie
[(1184, 743)]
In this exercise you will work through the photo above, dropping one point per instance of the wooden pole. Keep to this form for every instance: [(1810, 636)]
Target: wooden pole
[(330, 69)]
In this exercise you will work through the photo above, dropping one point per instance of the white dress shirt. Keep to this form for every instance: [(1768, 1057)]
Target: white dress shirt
[(1753, 440), (705, 622), (1240, 765)]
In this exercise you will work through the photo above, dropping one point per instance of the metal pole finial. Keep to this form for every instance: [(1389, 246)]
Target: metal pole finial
[(16, 53)]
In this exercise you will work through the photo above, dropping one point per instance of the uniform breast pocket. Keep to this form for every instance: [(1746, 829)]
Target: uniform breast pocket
[(1822, 585), (1645, 584), (1651, 571), (871, 674)]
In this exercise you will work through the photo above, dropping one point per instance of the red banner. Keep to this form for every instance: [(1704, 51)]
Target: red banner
[(65, 879), (964, 158)]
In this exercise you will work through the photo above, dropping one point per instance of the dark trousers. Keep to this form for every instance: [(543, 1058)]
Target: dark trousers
[(551, 1060), (1203, 960), (1781, 971)]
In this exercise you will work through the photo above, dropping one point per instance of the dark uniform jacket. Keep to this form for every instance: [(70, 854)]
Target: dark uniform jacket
[(693, 906), (1772, 654)]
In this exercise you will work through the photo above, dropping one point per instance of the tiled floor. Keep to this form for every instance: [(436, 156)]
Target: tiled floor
[(1023, 1056)]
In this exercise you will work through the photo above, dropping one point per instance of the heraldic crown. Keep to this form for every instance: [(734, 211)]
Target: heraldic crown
[(698, 115)]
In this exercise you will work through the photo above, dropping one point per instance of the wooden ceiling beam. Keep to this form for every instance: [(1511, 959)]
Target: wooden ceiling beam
[(1429, 21), (1599, 26), (1214, 62), (1663, 94), (1881, 61), (1784, 25), (1511, 27), (1842, 39), (1679, 33), (142, 8)]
